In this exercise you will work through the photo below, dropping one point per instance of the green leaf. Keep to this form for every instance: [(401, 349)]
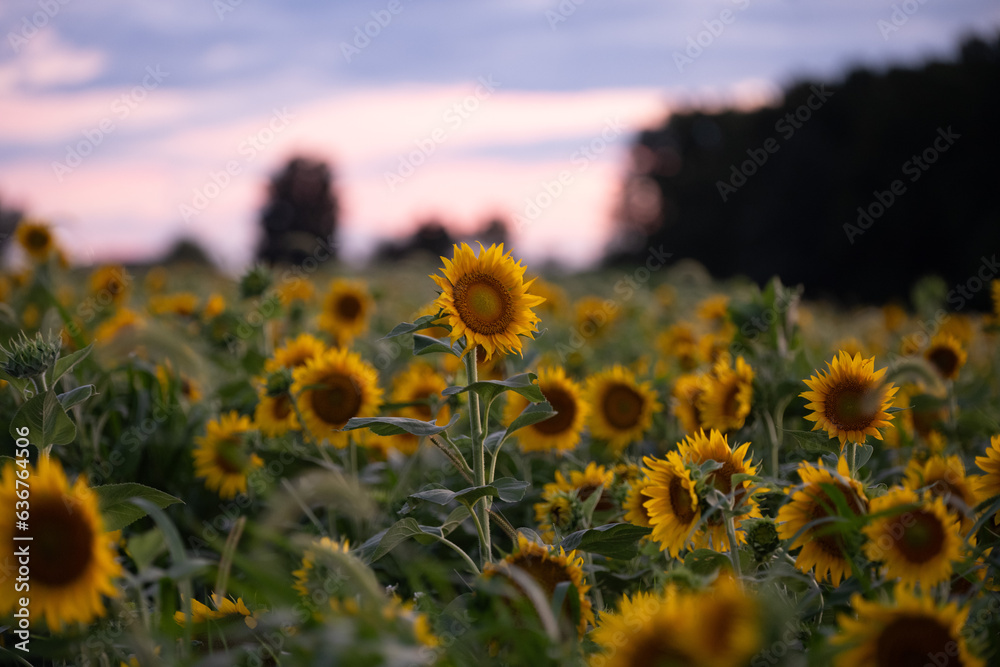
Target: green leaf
[(115, 502), (397, 425), (506, 489), (65, 364), (864, 455), (76, 396), (705, 561), (421, 323), (814, 441), (146, 547), (428, 345), (534, 413), (47, 421), (614, 540), (18, 383), (490, 389)]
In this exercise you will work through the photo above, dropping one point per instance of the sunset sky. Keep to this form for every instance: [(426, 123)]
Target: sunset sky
[(119, 121)]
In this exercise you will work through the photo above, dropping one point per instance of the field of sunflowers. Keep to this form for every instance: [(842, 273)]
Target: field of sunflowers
[(462, 463)]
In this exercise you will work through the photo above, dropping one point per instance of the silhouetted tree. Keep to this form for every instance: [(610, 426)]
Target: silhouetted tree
[(302, 211), (430, 238), (9, 218)]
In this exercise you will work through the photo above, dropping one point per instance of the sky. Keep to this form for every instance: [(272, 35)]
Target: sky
[(130, 124)]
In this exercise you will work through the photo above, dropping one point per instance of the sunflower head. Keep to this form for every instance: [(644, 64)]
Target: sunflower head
[(484, 298), (30, 357), (295, 352), (850, 400), (275, 412), (671, 503), (946, 355), (561, 432), (72, 558), (109, 284), (728, 391), (988, 484), (944, 478), (347, 308), (622, 408), (679, 342), (223, 457), (36, 239)]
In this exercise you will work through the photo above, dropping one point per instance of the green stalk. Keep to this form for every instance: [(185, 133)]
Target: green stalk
[(478, 459), (852, 458), (734, 552)]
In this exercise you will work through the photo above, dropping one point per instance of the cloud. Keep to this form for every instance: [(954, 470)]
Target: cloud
[(45, 61)]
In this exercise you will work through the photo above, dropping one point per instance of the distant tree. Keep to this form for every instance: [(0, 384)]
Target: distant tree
[(9, 218), (430, 238), (186, 251), (494, 231), (302, 210)]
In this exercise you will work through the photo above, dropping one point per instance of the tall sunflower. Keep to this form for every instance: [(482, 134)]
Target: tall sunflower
[(331, 389), (295, 352), (36, 239), (823, 548), (484, 298), (672, 505), (622, 408), (222, 457), (988, 484), (912, 631), (918, 541), (585, 483), (686, 395), (725, 402), (548, 567), (850, 401), (560, 433), (946, 355), (699, 449), (347, 307), (945, 478), (72, 557)]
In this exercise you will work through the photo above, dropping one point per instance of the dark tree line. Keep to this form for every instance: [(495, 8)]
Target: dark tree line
[(777, 191)]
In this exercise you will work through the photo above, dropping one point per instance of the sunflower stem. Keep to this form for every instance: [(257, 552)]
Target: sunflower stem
[(852, 458), (734, 552), (478, 460)]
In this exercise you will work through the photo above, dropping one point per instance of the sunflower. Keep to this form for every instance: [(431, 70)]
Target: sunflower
[(823, 549), (222, 458), (679, 342), (319, 570), (155, 280), (555, 297), (850, 401), (179, 303), (556, 513), (725, 402), (699, 449), (274, 415), (419, 387), (988, 484), (672, 504), (560, 433), (123, 320), (294, 289), (634, 505), (946, 355), (584, 484), (109, 284), (347, 307), (593, 315), (728, 626), (295, 352), (189, 388), (72, 557), (485, 299), (713, 346), (548, 567), (225, 608), (621, 408), (215, 304), (686, 394), (647, 629), (995, 293), (913, 631), (714, 309), (945, 478), (36, 239), (332, 388)]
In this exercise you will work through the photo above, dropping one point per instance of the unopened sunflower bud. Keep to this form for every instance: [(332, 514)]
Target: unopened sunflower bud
[(762, 536), (255, 281), (30, 357), (279, 382)]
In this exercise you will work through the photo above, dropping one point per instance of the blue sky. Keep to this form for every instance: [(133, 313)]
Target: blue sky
[(562, 73)]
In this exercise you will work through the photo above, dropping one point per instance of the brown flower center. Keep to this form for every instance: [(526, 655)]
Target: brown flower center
[(230, 456), (338, 401), (680, 500), (348, 307), (62, 541), (832, 544), (922, 535), (622, 406), (564, 405), (281, 407), (37, 239), (852, 405), (912, 640), (944, 360), (483, 303)]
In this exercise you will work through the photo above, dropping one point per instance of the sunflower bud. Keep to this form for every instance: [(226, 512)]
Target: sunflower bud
[(30, 357), (762, 536), (279, 382), (255, 281)]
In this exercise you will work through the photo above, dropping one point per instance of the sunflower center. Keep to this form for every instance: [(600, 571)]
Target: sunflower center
[(564, 405), (338, 401), (722, 479), (348, 307), (588, 489), (547, 573), (63, 541), (483, 303), (852, 406), (37, 239), (909, 640), (622, 406), (230, 456), (281, 407), (680, 500), (658, 649), (832, 544), (944, 360), (560, 513), (729, 403), (922, 540)]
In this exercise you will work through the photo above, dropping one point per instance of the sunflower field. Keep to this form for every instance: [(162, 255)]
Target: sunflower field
[(462, 463)]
